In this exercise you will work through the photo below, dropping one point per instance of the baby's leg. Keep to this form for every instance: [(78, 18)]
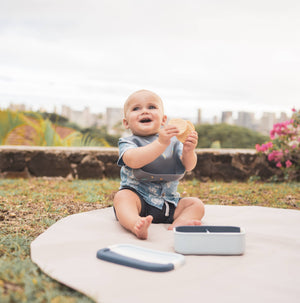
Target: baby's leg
[(189, 211), (128, 206)]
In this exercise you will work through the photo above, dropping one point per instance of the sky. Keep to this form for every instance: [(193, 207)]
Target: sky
[(216, 55)]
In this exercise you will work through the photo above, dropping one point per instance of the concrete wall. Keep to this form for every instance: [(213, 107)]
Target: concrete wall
[(95, 162)]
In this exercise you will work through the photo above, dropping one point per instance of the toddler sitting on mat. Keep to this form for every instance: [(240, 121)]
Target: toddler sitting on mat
[(152, 162)]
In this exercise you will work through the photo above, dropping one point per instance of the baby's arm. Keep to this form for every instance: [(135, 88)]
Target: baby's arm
[(141, 156), (189, 157)]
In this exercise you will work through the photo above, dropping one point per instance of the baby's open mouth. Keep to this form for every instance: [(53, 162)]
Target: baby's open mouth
[(146, 120)]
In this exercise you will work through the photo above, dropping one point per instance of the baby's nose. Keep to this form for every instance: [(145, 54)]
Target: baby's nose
[(145, 110)]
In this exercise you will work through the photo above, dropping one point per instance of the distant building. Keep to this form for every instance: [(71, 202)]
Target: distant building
[(246, 119), (17, 107), (83, 118), (266, 123), (114, 118), (215, 120), (227, 118), (199, 116), (283, 117)]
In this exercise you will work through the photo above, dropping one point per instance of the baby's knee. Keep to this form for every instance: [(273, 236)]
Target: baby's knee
[(123, 195), (198, 206), (191, 201), (200, 203)]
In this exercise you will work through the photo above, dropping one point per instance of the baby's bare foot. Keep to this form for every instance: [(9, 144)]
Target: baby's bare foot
[(141, 227), (184, 223)]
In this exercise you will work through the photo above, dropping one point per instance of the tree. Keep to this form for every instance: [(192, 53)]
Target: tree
[(18, 128), (229, 136)]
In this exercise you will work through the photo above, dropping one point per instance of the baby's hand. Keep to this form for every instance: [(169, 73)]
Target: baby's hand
[(191, 142), (166, 133)]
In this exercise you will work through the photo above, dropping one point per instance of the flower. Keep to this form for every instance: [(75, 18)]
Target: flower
[(284, 147), (257, 147), (288, 163)]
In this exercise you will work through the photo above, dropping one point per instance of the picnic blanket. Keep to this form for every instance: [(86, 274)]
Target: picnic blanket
[(268, 271)]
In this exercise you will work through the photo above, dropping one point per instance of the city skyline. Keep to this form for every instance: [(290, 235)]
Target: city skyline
[(114, 115)]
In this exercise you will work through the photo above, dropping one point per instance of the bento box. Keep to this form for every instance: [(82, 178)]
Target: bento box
[(209, 240)]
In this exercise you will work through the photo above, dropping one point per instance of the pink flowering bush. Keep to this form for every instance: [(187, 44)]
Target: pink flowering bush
[(284, 147)]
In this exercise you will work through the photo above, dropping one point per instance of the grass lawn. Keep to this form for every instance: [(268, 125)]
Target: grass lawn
[(28, 207)]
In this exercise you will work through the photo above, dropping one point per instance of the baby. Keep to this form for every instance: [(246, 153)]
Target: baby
[(152, 162)]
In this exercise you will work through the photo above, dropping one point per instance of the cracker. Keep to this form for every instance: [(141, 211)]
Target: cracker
[(185, 128)]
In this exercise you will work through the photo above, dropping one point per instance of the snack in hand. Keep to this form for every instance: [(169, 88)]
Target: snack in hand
[(185, 128)]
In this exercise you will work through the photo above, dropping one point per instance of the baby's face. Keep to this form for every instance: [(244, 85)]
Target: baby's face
[(144, 114)]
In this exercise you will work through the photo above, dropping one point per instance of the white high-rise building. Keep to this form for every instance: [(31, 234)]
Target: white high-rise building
[(227, 118)]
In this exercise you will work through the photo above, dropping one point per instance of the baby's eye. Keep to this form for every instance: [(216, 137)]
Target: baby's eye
[(152, 107), (135, 108)]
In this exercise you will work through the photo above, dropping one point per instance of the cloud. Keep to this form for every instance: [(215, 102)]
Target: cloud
[(218, 54)]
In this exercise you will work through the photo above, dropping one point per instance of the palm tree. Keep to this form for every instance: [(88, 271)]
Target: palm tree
[(18, 128)]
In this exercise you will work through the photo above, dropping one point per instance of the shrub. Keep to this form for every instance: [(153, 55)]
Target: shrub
[(284, 147)]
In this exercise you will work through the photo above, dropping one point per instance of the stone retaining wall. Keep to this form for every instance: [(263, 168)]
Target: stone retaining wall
[(95, 163)]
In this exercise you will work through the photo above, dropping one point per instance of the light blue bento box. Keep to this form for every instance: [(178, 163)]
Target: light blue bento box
[(209, 240)]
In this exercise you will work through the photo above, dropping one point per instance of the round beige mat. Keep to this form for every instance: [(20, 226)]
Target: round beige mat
[(267, 272)]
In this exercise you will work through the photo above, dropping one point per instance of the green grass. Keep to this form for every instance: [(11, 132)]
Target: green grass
[(28, 207)]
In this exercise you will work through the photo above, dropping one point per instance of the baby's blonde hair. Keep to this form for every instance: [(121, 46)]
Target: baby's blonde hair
[(141, 91)]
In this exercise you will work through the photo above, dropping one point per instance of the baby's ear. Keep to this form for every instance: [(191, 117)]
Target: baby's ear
[(125, 123), (164, 120)]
